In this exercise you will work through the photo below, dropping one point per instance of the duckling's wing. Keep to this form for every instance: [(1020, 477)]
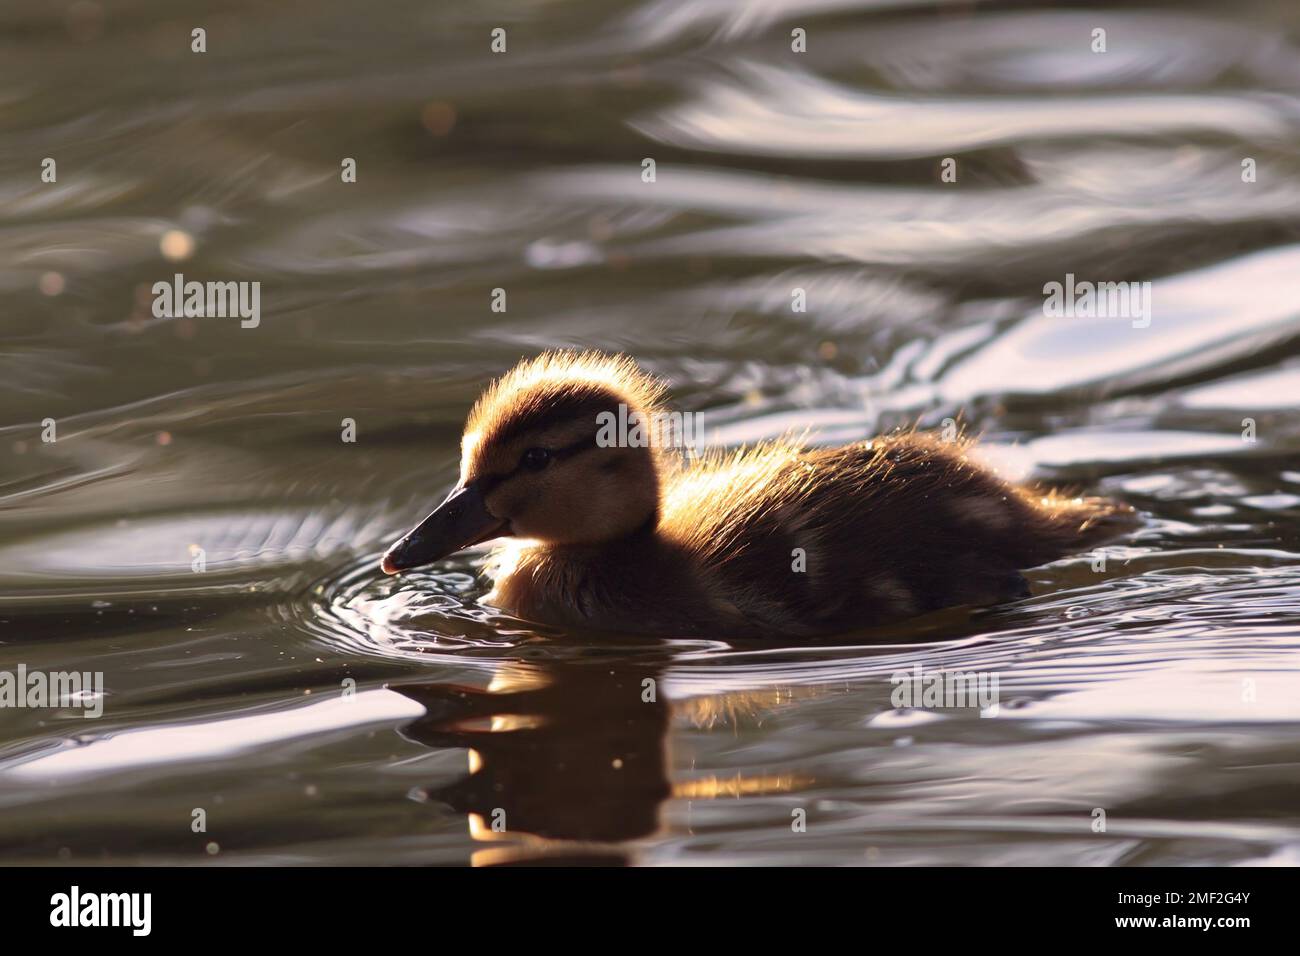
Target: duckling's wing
[(810, 541), (751, 520)]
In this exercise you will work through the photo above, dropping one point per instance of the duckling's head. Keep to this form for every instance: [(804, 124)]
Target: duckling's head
[(537, 460)]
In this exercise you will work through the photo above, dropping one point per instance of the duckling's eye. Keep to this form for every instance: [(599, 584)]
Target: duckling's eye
[(535, 459)]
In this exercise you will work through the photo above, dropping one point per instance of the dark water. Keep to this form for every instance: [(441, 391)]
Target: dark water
[(1163, 690)]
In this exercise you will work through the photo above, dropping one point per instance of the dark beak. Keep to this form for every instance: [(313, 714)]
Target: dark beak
[(460, 521)]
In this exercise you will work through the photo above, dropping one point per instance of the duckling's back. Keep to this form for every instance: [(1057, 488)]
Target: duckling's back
[(805, 542)]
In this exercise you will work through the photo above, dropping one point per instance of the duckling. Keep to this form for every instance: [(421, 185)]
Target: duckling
[(772, 540)]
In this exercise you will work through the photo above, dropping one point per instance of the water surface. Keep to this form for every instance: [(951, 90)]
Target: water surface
[(320, 713)]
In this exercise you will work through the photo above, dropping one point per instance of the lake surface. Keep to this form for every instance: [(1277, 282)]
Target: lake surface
[(199, 531)]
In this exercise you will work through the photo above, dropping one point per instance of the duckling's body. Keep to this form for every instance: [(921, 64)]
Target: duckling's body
[(772, 540), (782, 540)]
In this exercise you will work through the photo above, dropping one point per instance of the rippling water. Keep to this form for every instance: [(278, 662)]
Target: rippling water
[(318, 712)]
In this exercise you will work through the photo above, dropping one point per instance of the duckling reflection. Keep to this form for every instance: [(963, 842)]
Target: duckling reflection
[(570, 752), (569, 760)]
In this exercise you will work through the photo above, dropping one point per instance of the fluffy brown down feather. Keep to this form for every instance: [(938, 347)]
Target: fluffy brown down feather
[(776, 539)]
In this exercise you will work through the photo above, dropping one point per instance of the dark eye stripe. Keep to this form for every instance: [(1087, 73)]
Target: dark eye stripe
[(488, 482), (568, 451)]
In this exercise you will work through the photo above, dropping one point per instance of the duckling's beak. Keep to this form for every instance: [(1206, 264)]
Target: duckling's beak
[(460, 521)]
